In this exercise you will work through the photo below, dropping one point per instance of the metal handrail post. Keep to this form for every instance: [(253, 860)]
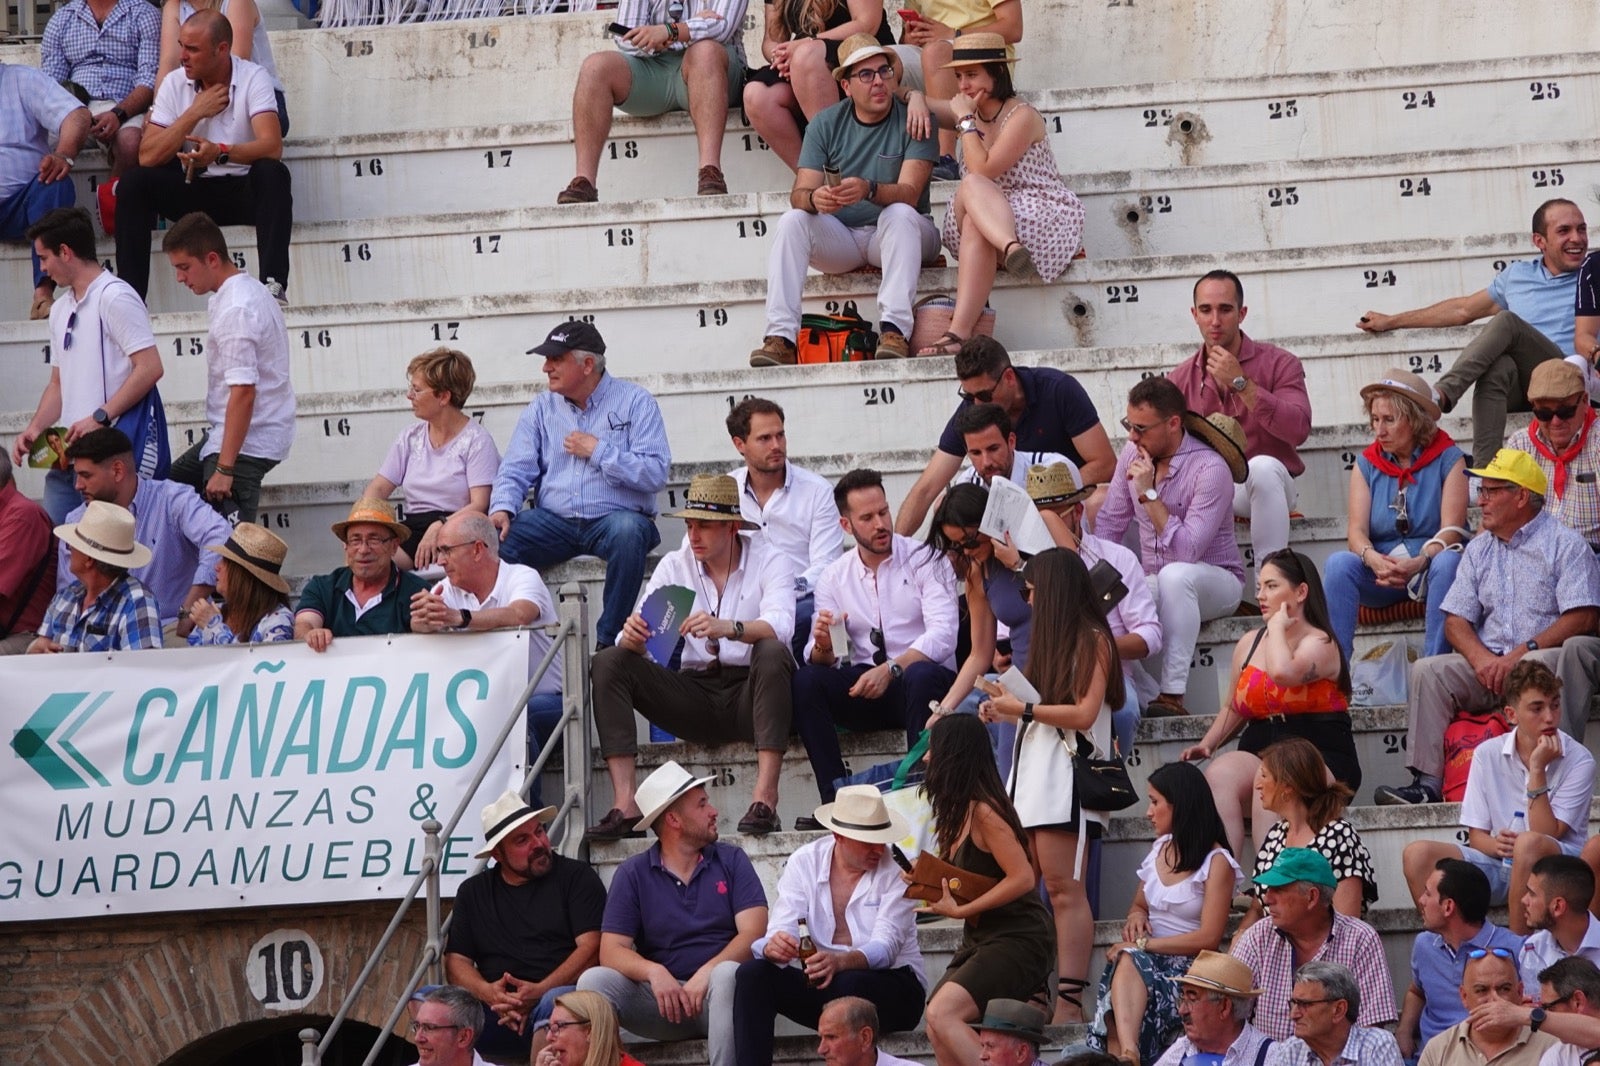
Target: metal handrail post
[(309, 1055), (575, 696), (433, 852)]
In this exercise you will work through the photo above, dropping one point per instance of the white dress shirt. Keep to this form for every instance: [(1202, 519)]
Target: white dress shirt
[(249, 345), (882, 921), (760, 588), (1497, 788), (512, 583), (800, 520), (911, 597)]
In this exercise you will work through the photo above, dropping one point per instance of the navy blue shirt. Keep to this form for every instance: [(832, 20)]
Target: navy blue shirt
[(1056, 410), (679, 925)]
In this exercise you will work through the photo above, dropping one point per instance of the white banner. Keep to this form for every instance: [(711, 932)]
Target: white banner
[(243, 777)]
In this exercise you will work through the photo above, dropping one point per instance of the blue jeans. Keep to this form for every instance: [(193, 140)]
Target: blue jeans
[(1349, 584), (541, 538), (544, 711), (31, 203)]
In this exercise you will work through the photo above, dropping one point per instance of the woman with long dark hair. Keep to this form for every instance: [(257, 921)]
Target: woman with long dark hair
[(1073, 665), (1290, 679), (255, 597), (1180, 908), (1007, 941)]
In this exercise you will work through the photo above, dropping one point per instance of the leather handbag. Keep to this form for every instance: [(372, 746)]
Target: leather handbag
[(1100, 784), (929, 872)]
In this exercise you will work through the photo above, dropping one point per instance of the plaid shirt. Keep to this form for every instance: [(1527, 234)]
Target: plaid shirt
[(1579, 506), (106, 60), (1365, 1047), (122, 618), (1271, 958)]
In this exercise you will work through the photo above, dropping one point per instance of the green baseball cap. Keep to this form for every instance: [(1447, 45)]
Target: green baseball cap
[(1298, 864)]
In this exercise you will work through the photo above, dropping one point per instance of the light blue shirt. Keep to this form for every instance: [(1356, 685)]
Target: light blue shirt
[(1541, 299), (1509, 590), (172, 521), (1365, 1047), (627, 469), (1436, 969), (32, 108)]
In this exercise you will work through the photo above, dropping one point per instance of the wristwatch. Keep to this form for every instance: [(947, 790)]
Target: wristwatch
[(872, 192), (1149, 495), (222, 154), (101, 417), (1536, 1018), (122, 116), (896, 671), (1532, 645), (738, 631), (466, 619), (1238, 384), (1027, 713)]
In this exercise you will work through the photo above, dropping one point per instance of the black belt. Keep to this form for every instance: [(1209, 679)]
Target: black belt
[(1325, 718)]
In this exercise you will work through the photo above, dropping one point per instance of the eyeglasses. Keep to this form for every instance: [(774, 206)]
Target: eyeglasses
[(72, 324), (1499, 953), (1555, 1002), (1302, 1004), (555, 1028), (1402, 517), (368, 542), (980, 396), (1564, 412), (445, 549), (1134, 427), (429, 1028), (413, 391), (880, 655), (1489, 490), (970, 543), (872, 74)]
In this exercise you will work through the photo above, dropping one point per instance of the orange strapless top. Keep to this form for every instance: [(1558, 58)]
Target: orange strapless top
[(1256, 695)]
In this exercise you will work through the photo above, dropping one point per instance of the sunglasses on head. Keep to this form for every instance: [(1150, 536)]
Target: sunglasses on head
[(1499, 953), (1564, 412)]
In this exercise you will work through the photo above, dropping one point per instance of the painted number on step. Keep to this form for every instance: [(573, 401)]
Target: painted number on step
[(1157, 116), (754, 228), (1119, 3), (335, 427), (623, 149), (1394, 743), (274, 519), (1547, 179), (1249, 555), (735, 401), (1499, 265), (1286, 196), (1282, 108), (354, 252), (1415, 101), (1055, 124), (477, 416), (1544, 90), (500, 157), (1373, 279), (1348, 459), (482, 39), (1122, 294), (834, 307), (754, 142), (447, 331), (357, 49), (723, 776), (45, 348), (1156, 205), (182, 346), (367, 168), (713, 316), (487, 245), (1132, 758), (621, 237), (320, 338), (284, 969), (1426, 364), (878, 397), (1202, 658), (1415, 187), (581, 318)]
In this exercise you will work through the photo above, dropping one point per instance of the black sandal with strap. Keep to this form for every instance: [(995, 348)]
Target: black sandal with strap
[(1070, 990)]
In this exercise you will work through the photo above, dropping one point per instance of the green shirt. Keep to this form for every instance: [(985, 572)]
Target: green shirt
[(325, 594), (836, 137)]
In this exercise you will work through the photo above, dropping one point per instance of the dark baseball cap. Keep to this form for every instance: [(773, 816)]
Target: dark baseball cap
[(569, 335)]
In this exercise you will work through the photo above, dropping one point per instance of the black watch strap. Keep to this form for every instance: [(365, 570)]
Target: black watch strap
[(122, 116), (466, 618)]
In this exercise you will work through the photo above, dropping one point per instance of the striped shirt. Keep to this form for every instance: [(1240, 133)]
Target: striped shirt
[(32, 108), (708, 20), (108, 59), (122, 618)]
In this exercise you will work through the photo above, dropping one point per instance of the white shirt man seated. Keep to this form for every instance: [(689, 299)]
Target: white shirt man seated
[(1215, 1001)]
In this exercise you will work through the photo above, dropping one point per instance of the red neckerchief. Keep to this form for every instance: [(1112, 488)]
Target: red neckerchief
[(1378, 458), (1561, 461)]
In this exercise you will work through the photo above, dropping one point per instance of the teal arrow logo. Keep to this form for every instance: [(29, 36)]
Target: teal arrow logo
[(32, 741)]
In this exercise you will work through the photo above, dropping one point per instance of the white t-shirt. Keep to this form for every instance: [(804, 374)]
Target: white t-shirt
[(249, 94), (1497, 787), (514, 582), (111, 325), (248, 344)]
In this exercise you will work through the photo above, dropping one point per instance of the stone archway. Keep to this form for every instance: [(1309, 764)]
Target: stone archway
[(276, 1042)]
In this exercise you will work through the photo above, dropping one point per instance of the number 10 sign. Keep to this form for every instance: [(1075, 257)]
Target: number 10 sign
[(284, 969)]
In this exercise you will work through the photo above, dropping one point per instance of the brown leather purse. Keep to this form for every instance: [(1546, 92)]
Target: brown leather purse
[(929, 872)]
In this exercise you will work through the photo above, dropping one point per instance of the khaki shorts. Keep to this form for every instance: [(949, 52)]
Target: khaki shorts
[(658, 85), (98, 107)]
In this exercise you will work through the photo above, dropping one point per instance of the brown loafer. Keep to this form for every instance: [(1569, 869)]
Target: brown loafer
[(1166, 706), (760, 820), (892, 345), (615, 826), (579, 190), (712, 183), (774, 351)]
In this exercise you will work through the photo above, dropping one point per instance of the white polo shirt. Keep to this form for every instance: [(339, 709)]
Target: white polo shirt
[(248, 344), (1497, 787), (514, 582), (249, 94), (1540, 951)]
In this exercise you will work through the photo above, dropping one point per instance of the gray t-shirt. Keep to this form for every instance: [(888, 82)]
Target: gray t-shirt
[(873, 152)]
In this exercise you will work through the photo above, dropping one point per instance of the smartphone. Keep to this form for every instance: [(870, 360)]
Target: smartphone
[(908, 15), (830, 176), (840, 636), (899, 857), (617, 29)]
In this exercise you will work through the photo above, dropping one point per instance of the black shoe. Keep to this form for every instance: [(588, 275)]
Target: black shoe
[(807, 824), (946, 169), (615, 826), (1417, 792), (760, 820)]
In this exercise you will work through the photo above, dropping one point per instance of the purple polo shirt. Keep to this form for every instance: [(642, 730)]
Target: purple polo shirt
[(1281, 419), (682, 925), (1198, 492)]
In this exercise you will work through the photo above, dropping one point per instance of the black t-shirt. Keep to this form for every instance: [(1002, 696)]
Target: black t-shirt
[(525, 930), (1057, 410)]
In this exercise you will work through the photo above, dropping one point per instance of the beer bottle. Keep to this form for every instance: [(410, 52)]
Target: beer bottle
[(808, 947)]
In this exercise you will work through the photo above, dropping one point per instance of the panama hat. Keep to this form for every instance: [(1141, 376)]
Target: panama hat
[(861, 46), (858, 812), (976, 49), (259, 551), (1517, 467), (1216, 972), (1404, 383), (713, 498), (503, 816), (1055, 486), (372, 512), (105, 532), (662, 788), (1223, 435), (1014, 1018)]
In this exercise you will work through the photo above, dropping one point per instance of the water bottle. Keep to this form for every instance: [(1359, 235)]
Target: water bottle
[(1519, 824)]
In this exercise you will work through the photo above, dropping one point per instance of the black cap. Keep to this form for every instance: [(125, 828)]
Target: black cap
[(569, 335)]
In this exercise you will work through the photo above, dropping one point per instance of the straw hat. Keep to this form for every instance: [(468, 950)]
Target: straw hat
[(1216, 972), (372, 512), (861, 46), (858, 812), (503, 816), (713, 498), (257, 550), (1014, 1018), (105, 532), (976, 49), (662, 788), (1055, 486), (1412, 387), (1223, 435)]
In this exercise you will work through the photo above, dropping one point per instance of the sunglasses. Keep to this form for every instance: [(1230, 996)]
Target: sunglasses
[(980, 396), (970, 543), (1134, 427), (880, 654), (72, 324), (1402, 517), (1499, 953), (1564, 412)]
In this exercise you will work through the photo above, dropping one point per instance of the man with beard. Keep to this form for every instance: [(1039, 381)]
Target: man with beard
[(523, 929), (991, 443), (1556, 905), (680, 918)]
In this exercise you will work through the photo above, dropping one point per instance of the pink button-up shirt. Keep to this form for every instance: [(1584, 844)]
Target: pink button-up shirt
[(1281, 419)]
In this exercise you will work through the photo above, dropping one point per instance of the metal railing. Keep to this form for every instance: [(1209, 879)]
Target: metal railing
[(572, 732)]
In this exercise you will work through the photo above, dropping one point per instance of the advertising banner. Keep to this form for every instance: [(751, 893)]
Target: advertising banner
[(246, 776)]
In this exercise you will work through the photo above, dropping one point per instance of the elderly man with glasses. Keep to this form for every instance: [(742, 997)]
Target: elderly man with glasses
[(1215, 1001), (1562, 441), (1323, 1010), (369, 594), (1489, 1035)]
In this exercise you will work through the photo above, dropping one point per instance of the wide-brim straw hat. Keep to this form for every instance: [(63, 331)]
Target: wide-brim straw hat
[(503, 816), (259, 551), (1404, 383), (1223, 435), (859, 46), (713, 498), (976, 49), (662, 788), (1216, 972), (858, 812), (1054, 486), (375, 513), (106, 532)]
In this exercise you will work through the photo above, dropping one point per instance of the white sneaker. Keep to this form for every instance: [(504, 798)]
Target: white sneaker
[(276, 289)]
